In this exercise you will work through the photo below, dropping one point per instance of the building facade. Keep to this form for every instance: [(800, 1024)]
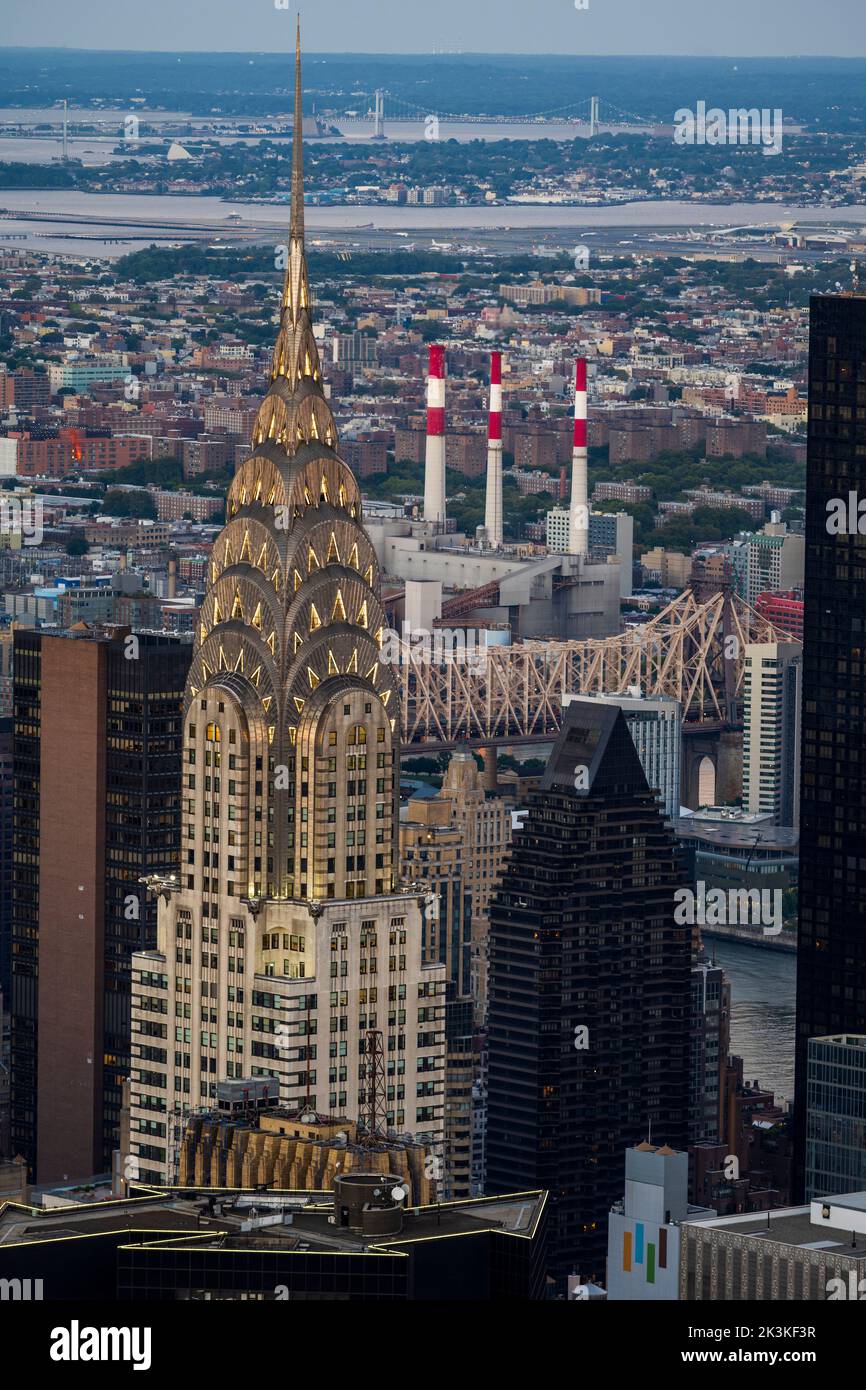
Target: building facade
[(589, 987), (655, 725), (770, 560), (815, 1253), (610, 534), (831, 956), (772, 702), (454, 843), (836, 1115), (708, 1055), (643, 1253), (96, 807), (783, 610)]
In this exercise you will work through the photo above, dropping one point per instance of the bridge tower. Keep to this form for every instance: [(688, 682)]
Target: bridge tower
[(593, 116)]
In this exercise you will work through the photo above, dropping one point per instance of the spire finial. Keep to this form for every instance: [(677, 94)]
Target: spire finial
[(297, 223)]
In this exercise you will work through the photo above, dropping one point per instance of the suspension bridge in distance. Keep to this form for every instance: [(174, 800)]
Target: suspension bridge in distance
[(586, 117)]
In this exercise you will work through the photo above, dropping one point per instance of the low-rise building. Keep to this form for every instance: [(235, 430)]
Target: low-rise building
[(812, 1254)]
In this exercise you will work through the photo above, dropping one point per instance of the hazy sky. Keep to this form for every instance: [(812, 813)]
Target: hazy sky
[(742, 28)]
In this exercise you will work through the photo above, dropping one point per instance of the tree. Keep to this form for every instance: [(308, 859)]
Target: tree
[(77, 546), (162, 471), (684, 531), (140, 504)]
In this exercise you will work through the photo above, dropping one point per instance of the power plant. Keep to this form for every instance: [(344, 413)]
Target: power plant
[(493, 507), (434, 468), (579, 515), (483, 581)]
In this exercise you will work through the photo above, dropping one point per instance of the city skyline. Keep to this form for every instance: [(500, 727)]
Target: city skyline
[(431, 678)]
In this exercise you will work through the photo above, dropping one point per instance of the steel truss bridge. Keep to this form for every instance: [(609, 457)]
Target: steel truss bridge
[(692, 650)]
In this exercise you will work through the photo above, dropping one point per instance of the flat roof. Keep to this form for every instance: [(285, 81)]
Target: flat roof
[(794, 1226), (181, 1215), (738, 834), (841, 1040)]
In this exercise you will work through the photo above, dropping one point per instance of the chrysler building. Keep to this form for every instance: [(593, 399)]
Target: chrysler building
[(287, 947)]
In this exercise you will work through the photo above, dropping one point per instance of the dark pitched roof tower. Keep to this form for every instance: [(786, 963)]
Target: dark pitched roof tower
[(589, 987)]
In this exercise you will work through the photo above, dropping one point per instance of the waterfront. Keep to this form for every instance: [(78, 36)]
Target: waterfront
[(37, 146), (763, 989), (650, 212), (74, 222)]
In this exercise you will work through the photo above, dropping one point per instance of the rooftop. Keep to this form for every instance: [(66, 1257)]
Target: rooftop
[(842, 1039), (807, 1227), (756, 833), (296, 1220)]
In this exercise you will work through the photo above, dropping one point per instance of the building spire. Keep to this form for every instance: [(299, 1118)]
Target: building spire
[(295, 369), (296, 229)]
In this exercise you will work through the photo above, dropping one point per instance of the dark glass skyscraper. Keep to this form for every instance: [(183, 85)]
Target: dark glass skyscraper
[(831, 963), (6, 765), (589, 987), (96, 807)]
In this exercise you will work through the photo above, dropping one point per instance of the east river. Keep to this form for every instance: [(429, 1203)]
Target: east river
[(763, 986), (110, 224)]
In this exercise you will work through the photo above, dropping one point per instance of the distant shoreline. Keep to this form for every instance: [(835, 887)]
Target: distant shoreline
[(742, 937), (654, 212)]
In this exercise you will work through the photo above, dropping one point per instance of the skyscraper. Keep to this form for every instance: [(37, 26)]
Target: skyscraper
[(478, 827), (831, 959), (455, 842), (287, 948), (708, 1053), (589, 987), (772, 698), (836, 1115), (656, 727), (97, 806), (6, 793)]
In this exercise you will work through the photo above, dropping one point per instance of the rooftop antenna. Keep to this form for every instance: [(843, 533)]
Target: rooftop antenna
[(377, 1118)]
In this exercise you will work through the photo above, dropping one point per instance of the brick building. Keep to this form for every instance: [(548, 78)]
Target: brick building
[(73, 451), (735, 438), (366, 455), (231, 414), (206, 455)]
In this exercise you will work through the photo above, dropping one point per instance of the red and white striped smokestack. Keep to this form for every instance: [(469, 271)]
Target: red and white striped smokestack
[(578, 520), (493, 507), (434, 458)]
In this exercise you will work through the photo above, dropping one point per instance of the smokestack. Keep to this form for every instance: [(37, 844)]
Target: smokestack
[(434, 459), (578, 520), (171, 586), (493, 507)]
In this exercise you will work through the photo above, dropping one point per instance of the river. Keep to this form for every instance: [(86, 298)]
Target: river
[(763, 990), (178, 210), (110, 224)]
